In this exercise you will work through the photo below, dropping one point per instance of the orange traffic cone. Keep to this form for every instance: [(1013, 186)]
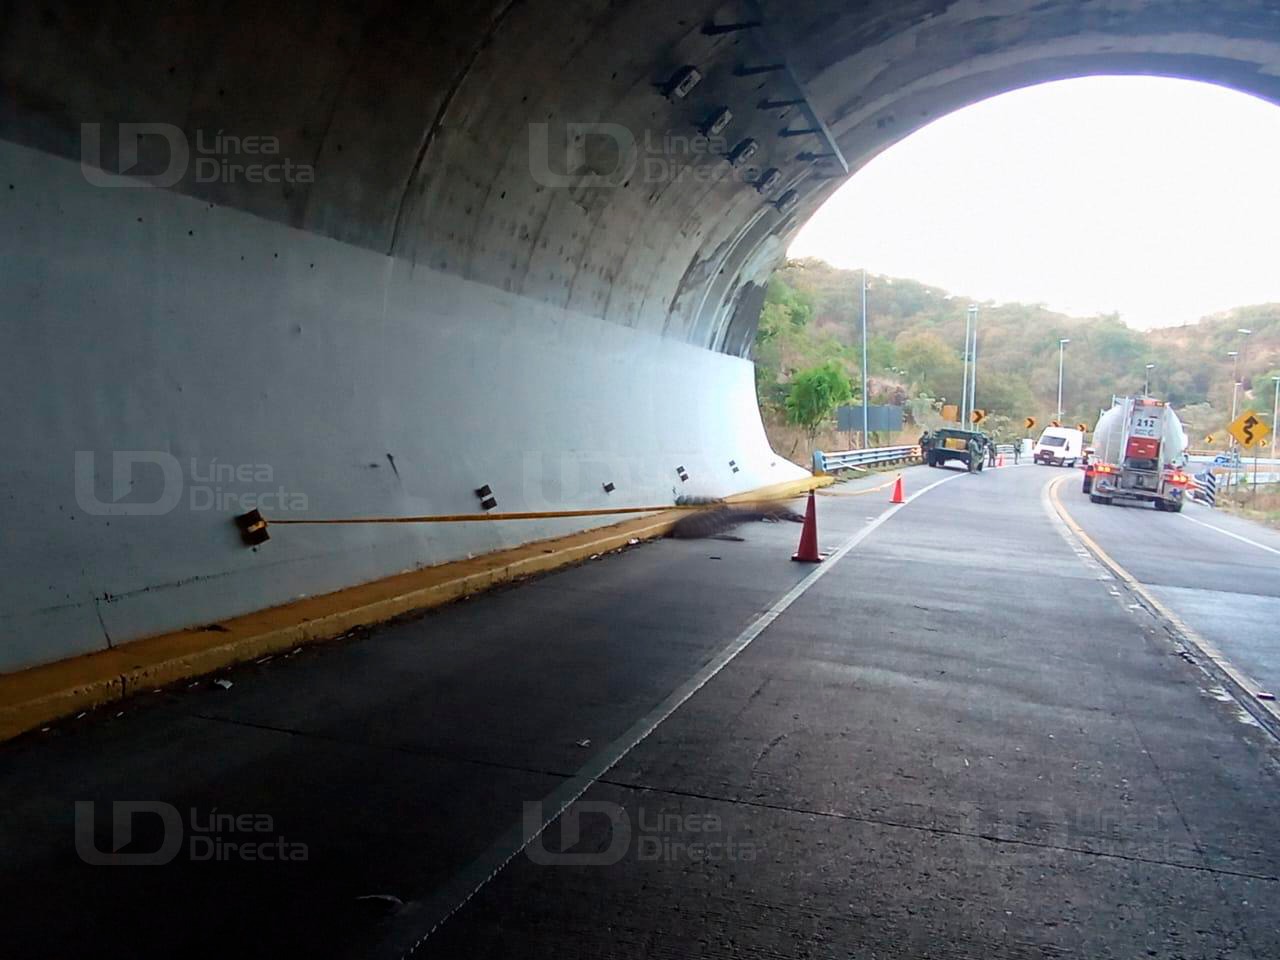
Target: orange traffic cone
[(807, 552), (1000, 460), (897, 491)]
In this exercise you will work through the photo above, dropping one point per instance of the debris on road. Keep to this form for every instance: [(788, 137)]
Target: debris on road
[(721, 519)]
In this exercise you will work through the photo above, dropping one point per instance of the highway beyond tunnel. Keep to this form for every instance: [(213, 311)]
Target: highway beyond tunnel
[(363, 261), (951, 739)]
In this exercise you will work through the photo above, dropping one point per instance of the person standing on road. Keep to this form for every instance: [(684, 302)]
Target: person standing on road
[(991, 452)]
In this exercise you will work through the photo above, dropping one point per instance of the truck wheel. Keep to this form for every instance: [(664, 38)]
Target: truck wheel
[(1172, 507), (1088, 484)]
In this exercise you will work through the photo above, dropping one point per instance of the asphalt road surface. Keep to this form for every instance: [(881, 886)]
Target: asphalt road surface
[(952, 739), (1220, 573)]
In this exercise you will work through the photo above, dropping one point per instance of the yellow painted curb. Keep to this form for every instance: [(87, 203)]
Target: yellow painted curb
[(33, 697), (1246, 684), (861, 493)]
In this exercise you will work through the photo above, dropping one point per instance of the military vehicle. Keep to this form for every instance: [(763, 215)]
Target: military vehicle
[(954, 443)]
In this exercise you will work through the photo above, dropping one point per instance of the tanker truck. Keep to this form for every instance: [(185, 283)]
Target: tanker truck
[(1139, 451)]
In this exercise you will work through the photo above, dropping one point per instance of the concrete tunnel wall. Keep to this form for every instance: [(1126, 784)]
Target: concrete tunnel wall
[(443, 290)]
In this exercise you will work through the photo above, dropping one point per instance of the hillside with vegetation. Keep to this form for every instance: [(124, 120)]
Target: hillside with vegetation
[(812, 318)]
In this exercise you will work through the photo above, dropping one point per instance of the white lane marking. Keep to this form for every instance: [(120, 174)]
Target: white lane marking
[(429, 915), (1233, 536)]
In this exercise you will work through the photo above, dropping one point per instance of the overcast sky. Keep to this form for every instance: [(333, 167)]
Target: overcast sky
[(1156, 198)]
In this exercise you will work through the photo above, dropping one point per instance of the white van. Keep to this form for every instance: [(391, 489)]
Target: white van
[(1059, 446)]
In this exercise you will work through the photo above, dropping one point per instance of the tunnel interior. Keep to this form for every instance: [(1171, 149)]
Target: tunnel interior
[(343, 262)]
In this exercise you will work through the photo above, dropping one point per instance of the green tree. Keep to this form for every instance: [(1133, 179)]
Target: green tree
[(930, 363), (814, 395)]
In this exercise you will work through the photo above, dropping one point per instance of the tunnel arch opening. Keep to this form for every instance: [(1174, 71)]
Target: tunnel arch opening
[(973, 200)]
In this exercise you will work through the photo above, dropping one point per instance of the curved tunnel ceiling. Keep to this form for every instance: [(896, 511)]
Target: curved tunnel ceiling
[(437, 134)]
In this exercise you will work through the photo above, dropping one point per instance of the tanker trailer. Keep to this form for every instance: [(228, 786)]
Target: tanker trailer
[(1139, 451)]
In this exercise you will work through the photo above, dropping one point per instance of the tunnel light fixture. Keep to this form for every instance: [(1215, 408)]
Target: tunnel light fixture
[(768, 180), (744, 151), (682, 474), (787, 201), (609, 487), (682, 82), (733, 465), (717, 122)]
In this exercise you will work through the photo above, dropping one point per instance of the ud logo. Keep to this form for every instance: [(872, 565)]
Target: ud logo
[(153, 492), (129, 136), (570, 832), (122, 813)]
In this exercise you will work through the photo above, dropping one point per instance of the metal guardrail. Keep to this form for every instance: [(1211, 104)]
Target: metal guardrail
[(1238, 472), (1243, 460), (871, 457)]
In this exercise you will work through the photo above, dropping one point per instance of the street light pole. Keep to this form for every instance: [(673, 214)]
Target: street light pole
[(1275, 408), (1146, 387), (973, 378), (1061, 344), (1235, 377), (964, 389), (1235, 365), (865, 400)]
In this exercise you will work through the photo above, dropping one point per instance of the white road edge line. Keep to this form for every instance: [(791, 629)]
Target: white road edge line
[(1233, 536), (431, 914)]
